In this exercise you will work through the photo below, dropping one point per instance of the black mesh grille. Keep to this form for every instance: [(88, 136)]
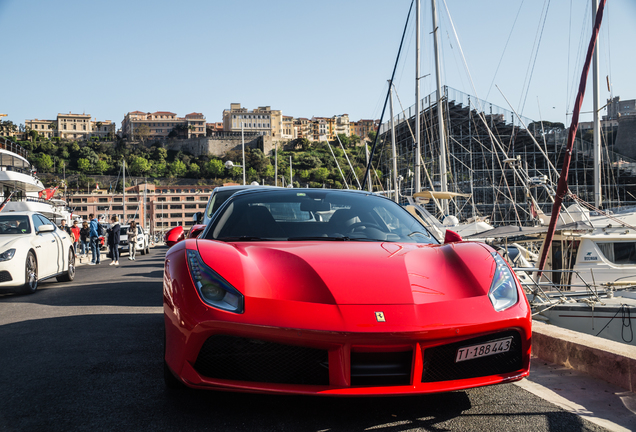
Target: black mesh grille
[(242, 359), (5, 276), (381, 368), (440, 365)]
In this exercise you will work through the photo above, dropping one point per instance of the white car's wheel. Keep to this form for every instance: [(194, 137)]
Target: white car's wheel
[(70, 273), (30, 274)]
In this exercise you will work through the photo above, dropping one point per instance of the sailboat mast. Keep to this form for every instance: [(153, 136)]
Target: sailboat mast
[(440, 110), (597, 121), (562, 188), (418, 149), (393, 147)]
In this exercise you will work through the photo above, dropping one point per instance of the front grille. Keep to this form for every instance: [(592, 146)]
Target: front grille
[(242, 359), (5, 276), (381, 368), (440, 365)]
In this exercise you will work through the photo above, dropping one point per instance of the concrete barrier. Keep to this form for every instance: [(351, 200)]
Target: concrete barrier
[(601, 358)]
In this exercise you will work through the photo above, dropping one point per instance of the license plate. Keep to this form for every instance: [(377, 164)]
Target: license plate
[(483, 350)]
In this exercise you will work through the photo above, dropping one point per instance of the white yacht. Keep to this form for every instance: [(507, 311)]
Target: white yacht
[(18, 180)]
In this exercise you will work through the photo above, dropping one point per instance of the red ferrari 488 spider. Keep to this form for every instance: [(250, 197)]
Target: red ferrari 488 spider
[(343, 293)]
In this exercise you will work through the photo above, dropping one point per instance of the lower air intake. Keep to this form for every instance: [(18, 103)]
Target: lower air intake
[(242, 359), (440, 364), (381, 368)]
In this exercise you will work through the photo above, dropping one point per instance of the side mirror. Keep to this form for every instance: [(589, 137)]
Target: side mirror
[(197, 217), (46, 228), (174, 236), (452, 237), (195, 231)]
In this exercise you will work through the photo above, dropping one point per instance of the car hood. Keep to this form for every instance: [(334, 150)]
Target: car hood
[(353, 272), (11, 241)]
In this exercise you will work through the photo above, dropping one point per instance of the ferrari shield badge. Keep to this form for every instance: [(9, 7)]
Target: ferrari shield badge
[(379, 316)]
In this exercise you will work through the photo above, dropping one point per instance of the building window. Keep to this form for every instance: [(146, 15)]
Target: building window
[(174, 199)]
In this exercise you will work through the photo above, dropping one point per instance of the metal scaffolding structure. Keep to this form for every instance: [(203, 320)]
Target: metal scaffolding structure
[(499, 159)]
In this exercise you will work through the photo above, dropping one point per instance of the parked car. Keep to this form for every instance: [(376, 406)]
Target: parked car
[(338, 293), (143, 240), (32, 249), (201, 219)]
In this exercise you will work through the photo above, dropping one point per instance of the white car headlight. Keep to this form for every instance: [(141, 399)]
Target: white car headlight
[(7, 255), (503, 290)]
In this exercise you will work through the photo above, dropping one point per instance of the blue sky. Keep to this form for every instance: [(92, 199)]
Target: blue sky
[(304, 58)]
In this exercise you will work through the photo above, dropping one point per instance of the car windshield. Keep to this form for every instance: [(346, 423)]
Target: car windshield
[(322, 215), (219, 198), (14, 225)]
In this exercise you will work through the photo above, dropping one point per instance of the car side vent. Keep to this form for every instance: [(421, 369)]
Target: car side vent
[(242, 359)]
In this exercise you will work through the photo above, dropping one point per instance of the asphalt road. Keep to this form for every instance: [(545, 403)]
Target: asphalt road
[(87, 355)]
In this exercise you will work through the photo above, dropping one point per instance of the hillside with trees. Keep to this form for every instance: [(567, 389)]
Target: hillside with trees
[(313, 163)]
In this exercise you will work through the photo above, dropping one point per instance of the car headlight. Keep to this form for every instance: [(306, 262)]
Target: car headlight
[(214, 290), (7, 255), (503, 290)]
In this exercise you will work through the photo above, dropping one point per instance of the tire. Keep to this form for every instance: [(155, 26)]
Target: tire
[(30, 274), (143, 251), (147, 248), (70, 273)]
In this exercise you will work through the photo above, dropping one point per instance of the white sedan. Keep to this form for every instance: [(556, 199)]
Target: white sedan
[(32, 248)]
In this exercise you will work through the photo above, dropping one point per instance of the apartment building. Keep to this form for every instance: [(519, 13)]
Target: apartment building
[(363, 127), (166, 206), (72, 126), (45, 128), (160, 123), (617, 108), (289, 131), (262, 120)]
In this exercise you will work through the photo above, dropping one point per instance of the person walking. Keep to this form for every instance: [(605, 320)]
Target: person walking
[(132, 241), (84, 238), (65, 227), (94, 239), (75, 230), (113, 239)]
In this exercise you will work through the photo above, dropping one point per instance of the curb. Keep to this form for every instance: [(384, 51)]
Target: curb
[(610, 361)]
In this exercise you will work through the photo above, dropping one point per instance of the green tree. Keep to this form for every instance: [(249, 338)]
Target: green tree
[(177, 169), (84, 165), (157, 168), (268, 172), (138, 165), (215, 168), (102, 166), (194, 171), (160, 154), (320, 174), (44, 162), (354, 139), (344, 140)]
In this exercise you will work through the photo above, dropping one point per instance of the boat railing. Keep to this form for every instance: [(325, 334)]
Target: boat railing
[(543, 292), (28, 199), (9, 145)]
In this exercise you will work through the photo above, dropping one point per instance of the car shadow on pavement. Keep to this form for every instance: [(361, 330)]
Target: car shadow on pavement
[(104, 372)]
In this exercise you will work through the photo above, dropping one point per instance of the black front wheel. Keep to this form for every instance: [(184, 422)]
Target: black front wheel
[(30, 274)]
